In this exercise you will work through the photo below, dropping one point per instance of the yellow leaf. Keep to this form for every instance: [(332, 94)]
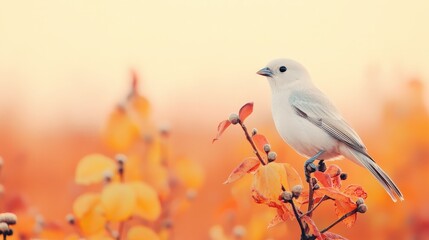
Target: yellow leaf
[(88, 212), (140, 106), (91, 169), (133, 167), (164, 234), (141, 232), (216, 232), (148, 205), (268, 181), (121, 131), (190, 173), (85, 203), (118, 201), (72, 237), (102, 235), (157, 176), (293, 177)]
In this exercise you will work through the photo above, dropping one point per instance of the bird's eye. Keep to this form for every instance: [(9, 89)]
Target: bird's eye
[(282, 69)]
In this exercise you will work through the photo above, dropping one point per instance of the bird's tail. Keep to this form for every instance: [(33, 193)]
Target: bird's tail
[(377, 172)]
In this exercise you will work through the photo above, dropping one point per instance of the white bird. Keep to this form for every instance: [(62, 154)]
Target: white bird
[(309, 123)]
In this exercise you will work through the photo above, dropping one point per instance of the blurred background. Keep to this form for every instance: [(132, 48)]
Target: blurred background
[(65, 65)]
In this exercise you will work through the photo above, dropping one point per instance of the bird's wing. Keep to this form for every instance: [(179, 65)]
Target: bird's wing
[(317, 109)]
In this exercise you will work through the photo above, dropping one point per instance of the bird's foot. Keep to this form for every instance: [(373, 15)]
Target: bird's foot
[(310, 167), (321, 166)]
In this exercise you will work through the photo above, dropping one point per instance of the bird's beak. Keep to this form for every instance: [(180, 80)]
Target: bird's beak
[(265, 72)]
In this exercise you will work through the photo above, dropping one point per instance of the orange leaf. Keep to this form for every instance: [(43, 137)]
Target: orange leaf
[(260, 140), (245, 111), (355, 192), (323, 178), (332, 236), (221, 128), (247, 166), (312, 227)]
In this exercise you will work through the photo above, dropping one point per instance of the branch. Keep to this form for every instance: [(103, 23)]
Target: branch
[(315, 206), (298, 218), (310, 196), (249, 139), (340, 219)]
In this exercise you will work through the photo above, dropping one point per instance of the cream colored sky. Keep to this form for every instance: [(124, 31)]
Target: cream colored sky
[(68, 61)]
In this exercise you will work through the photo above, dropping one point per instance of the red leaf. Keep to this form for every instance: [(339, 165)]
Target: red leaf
[(134, 81), (332, 236), (260, 140), (245, 111), (343, 207), (334, 172), (355, 192), (323, 178), (221, 128), (312, 226), (247, 166), (343, 204), (284, 213), (334, 194)]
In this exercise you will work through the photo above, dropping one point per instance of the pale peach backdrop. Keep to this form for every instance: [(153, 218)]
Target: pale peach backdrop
[(64, 65)]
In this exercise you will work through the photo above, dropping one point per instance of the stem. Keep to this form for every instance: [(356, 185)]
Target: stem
[(340, 219), (249, 139), (310, 197), (120, 229), (315, 206), (109, 229), (301, 225)]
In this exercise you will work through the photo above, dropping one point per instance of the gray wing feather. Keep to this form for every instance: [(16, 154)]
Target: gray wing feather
[(317, 109)]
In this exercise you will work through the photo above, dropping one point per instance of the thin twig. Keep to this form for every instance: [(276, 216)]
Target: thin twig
[(315, 206), (310, 196), (340, 219), (121, 229), (249, 139), (301, 225)]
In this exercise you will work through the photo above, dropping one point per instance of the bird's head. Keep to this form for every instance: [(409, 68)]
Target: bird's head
[(282, 72)]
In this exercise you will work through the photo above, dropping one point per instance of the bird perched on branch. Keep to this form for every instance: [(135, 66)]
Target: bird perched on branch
[(310, 123)]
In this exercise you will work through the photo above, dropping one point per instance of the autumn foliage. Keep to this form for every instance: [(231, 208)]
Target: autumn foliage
[(279, 186), (136, 192), (65, 184)]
